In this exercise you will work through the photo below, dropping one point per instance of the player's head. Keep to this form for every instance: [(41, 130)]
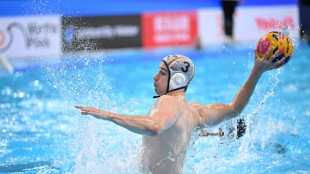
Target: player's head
[(180, 71)]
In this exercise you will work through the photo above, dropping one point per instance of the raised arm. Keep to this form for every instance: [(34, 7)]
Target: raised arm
[(217, 112), (160, 119)]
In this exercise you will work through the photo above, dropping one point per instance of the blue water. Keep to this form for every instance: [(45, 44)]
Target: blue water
[(41, 132)]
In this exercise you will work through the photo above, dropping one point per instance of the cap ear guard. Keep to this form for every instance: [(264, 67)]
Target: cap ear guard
[(177, 80)]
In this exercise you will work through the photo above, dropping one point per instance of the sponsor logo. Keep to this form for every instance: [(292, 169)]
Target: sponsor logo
[(96, 33), (36, 35), (69, 34), (102, 32), (274, 23), (161, 29), (108, 32), (171, 28)]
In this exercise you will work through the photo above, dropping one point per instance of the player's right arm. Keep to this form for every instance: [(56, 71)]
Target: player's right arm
[(215, 113), (164, 116)]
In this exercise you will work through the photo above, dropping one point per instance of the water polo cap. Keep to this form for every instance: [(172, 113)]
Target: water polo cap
[(181, 71)]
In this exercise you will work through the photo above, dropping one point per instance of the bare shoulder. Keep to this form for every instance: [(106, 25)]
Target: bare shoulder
[(209, 114), (198, 110), (201, 108), (165, 102), (197, 106)]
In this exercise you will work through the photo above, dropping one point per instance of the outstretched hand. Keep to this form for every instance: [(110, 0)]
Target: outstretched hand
[(93, 111), (264, 64)]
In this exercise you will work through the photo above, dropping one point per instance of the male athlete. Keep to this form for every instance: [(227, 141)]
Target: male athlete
[(169, 124)]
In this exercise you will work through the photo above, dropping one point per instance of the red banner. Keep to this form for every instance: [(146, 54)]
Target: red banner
[(169, 29)]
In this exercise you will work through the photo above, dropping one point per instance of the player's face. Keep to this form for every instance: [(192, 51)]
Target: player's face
[(161, 80)]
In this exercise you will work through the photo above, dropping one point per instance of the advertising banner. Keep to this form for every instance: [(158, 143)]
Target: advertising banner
[(253, 22), (210, 26), (169, 29), (30, 36), (97, 33), (250, 23)]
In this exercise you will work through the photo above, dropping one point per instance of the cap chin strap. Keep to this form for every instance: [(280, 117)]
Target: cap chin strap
[(183, 87)]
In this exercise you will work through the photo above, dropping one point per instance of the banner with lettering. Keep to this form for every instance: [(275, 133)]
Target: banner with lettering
[(33, 36), (169, 28), (250, 23), (100, 32)]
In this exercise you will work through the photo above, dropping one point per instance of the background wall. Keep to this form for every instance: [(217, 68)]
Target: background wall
[(50, 28)]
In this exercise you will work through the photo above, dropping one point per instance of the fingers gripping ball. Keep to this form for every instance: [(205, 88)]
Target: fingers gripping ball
[(279, 42)]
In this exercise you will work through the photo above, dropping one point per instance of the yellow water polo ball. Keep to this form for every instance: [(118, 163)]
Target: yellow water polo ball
[(280, 42)]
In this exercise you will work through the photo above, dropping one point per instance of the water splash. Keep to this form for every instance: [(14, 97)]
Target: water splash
[(224, 154), (97, 145)]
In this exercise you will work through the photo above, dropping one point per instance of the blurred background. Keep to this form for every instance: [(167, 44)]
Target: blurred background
[(52, 28)]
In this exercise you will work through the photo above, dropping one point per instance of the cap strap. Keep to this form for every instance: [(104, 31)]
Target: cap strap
[(168, 75), (183, 87)]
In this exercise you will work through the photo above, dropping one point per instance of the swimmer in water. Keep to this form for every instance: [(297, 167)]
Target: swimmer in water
[(166, 130)]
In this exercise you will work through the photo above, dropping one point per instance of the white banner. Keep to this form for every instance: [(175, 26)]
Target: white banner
[(33, 36), (250, 23)]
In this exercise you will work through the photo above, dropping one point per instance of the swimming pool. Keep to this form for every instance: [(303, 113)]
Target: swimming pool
[(41, 132)]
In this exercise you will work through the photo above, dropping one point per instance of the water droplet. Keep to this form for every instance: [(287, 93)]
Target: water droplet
[(36, 82), (6, 91), (21, 94)]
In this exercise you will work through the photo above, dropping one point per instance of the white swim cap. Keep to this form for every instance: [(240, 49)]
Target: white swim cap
[(181, 71)]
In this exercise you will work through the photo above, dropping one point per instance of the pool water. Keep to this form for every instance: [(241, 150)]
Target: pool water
[(41, 131)]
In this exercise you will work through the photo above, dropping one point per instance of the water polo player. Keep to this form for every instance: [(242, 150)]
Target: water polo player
[(168, 127)]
